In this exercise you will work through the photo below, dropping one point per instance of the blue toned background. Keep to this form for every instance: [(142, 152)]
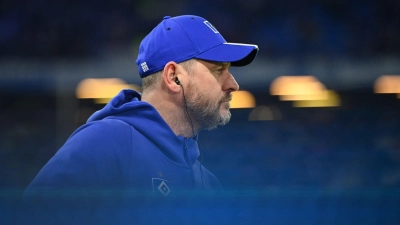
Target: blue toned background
[(334, 165)]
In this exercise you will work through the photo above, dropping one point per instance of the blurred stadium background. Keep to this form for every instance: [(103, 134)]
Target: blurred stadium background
[(315, 137)]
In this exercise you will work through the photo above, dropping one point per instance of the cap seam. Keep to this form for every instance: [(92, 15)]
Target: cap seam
[(190, 36)]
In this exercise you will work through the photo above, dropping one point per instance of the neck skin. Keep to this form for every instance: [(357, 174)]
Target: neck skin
[(172, 110)]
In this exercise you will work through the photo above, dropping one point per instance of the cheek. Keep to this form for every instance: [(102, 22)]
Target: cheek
[(215, 95), (211, 88), (215, 89)]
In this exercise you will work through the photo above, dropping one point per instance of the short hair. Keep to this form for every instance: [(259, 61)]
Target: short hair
[(149, 82)]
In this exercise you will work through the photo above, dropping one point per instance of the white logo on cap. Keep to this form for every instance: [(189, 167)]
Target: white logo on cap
[(211, 27), (144, 67)]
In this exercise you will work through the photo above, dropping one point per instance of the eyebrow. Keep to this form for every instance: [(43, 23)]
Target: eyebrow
[(215, 64), (223, 64)]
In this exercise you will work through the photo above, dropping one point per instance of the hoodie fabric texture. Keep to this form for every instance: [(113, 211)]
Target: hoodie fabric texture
[(126, 145)]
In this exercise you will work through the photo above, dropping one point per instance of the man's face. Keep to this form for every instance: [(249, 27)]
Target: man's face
[(209, 92)]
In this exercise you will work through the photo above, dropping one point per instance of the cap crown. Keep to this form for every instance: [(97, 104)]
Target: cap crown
[(176, 39)]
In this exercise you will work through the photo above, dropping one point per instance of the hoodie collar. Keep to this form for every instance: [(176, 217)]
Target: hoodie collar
[(127, 106)]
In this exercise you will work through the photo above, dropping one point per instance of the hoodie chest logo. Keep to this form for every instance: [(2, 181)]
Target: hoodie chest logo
[(161, 187)]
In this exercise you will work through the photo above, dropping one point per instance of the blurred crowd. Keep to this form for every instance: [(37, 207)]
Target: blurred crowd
[(58, 29), (27, 138), (325, 149)]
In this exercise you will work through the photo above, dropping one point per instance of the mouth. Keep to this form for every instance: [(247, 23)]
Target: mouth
[(225, 102), (227, 98)]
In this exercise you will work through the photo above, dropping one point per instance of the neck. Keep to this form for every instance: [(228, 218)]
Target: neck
[(173, 113)]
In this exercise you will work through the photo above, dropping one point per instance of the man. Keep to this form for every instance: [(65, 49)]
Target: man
[(148, 142)]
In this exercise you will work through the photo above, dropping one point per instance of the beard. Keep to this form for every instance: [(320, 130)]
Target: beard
[(205, 112)]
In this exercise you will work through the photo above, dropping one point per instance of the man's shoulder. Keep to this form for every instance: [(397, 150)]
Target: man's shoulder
[(103, 127), (99, 139), (98, 153)]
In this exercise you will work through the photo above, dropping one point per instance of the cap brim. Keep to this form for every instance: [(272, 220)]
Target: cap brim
[(235, 53)]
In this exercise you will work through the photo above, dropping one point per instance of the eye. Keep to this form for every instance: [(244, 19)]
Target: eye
[(219, 71)]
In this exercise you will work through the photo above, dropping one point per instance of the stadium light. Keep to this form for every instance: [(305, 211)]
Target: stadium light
[(102, 90), (332, 100), (387, 84), (242, 99), (304, 91), (295, 88)]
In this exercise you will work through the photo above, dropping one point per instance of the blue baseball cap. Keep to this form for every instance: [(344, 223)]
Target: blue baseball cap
[(186, 37)]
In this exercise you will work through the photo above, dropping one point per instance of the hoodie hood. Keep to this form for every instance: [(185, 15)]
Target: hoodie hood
[(143, 117)]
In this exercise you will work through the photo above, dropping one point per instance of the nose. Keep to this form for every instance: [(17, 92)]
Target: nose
[(230, 83)]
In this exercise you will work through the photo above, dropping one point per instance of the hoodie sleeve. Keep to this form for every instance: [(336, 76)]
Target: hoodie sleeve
[(96, 155)]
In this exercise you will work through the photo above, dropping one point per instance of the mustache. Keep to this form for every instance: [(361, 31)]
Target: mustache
[(226, 98)]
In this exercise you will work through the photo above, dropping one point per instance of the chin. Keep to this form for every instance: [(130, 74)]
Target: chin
[(225, 117), (225, 106)]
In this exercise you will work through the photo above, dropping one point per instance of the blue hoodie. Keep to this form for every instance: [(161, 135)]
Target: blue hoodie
[(126, 145)]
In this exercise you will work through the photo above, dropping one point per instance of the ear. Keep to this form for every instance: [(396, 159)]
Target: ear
[(171, 71)]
